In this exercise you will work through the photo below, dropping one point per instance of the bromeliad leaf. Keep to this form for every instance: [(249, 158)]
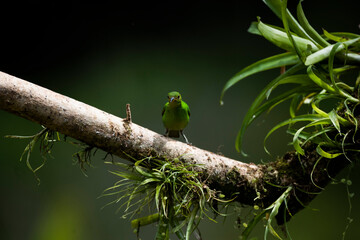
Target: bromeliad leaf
[(314, 119), (319, 79), (302, 79), (325, 52), (298, 148), (276, 61), (296, 103), (254, 28), (313, 136), (279, 37), (317, 38), (191, 225), (299, 51), (316, 109), (332, 116), (331, 64), (255, 109), (270, 104), (274, 209), (340, 36), (334, 119), (275, 6), (325, 154)]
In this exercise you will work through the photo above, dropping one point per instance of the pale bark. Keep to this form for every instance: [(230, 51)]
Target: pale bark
[(111, 133), (253, 184)]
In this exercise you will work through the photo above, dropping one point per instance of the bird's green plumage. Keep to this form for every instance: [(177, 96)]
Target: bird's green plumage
[(175, 115)]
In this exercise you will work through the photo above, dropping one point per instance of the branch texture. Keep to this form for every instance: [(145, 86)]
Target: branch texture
[(254, 184), (111, 133)]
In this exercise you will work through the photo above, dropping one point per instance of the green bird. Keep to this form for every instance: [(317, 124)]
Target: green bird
[(175, 116)]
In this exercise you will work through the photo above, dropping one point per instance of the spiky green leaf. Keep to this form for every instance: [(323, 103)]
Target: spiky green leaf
[(255, 109), (319, 79), (276, 61), (317, 38), (254, 28), (299, 51), (302, 79), (334, 119), (325, 52), (314, 119), (281, 39), (275, 6), (325, 154), (296, 141), (340, 36)]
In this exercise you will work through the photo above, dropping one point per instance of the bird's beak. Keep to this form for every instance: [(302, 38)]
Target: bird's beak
[(171, 99)]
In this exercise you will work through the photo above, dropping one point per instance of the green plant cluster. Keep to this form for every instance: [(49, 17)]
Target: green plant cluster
[(172, 188), (315, 79), (46, 139), (323, 105)]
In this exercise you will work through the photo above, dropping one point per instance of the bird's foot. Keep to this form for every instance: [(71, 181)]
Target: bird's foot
[(186, 140)]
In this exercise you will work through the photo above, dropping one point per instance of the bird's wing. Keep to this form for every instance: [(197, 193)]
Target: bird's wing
[(187, 109), (163, 110)]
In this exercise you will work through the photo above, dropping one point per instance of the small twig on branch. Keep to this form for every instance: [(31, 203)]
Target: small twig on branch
[(128, 113)]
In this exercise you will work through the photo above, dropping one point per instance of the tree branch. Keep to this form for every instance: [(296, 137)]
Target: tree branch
[(111, 133), (254, 184)]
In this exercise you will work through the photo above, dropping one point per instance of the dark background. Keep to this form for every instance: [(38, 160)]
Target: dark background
[(110, 55)]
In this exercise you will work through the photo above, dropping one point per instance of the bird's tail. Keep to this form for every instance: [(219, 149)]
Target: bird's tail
[(174, 133)]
